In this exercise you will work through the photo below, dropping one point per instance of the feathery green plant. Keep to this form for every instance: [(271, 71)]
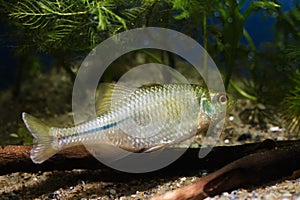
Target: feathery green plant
[(71, 25), (290, 106), (68, 29)]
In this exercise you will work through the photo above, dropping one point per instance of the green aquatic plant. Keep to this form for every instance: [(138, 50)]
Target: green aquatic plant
[(22, 136), (222, 24), (291, 104), (279, 61), (69, 29), (198, 12), (71, 25), (287, 28), (233, 20), (225, 39)]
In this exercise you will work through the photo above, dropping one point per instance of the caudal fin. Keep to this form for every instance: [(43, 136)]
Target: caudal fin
[(42, 148)]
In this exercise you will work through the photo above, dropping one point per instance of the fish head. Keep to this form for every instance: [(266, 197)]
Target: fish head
[(213, 106)]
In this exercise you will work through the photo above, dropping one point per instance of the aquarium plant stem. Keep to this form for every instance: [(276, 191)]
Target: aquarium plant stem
[(241, 91)]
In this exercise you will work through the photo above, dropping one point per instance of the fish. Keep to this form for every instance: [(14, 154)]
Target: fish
[(136, 120)]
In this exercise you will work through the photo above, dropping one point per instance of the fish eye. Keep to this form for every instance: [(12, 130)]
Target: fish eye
[(222, 98)]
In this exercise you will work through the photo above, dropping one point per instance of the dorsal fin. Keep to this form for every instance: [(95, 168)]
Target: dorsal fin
[(149, 85), (110, 95), (103, 97)]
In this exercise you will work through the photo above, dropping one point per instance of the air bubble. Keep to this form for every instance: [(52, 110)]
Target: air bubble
[(217, 13), (250, 56), (274, 14), (229, 20)]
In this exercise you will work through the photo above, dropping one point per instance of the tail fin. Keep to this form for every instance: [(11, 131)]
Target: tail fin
[(42, 148)]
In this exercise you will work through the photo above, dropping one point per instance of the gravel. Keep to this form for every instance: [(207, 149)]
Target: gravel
[(86, 184)]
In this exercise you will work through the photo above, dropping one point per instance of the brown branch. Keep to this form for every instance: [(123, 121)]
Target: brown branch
[(253, 169), (17, 158)]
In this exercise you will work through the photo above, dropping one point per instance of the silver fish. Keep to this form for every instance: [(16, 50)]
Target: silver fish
[(146, 119)]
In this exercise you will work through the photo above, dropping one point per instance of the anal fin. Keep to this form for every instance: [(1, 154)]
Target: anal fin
[(106, 153)]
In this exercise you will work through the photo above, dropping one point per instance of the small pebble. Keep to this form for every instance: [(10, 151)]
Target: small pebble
[(282, 191), (194, 145), (204, 173), (287, 195), (226, 194), (183, 179), (231, 118), (232, 197), (274, 129), (112, 191), (257, 138), (226, 141), (244, 136), (270, 196), (52, 196)]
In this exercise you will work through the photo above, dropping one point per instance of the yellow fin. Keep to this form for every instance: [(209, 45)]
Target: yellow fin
[(110, 95), (42, 148), (103, 98), (149, 85)]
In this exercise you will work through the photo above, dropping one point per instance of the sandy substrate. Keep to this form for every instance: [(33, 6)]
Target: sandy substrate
[(84, 184)]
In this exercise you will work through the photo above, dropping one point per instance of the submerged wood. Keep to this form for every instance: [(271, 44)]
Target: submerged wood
[(254, 169), (254, 163), (17, 158)]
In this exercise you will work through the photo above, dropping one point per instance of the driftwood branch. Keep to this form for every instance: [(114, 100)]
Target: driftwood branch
[(256, 168), (17, 158), (248, 164)]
